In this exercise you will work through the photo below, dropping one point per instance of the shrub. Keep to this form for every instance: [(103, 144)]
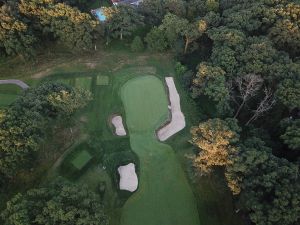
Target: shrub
[(137, 44), (180, 69), (156, 40)]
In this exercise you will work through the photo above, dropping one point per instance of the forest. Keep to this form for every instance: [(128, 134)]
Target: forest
[(237, 60)]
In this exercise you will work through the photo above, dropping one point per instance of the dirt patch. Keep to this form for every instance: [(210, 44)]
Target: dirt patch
[(91, 65), (41, 74)]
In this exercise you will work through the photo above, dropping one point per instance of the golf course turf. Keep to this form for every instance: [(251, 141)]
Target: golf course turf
[(164, 196)]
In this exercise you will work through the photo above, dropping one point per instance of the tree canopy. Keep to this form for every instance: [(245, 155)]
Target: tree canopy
[(57, 203), (23, 124)]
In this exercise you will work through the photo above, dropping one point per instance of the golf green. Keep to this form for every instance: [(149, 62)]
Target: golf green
[(164, 196)]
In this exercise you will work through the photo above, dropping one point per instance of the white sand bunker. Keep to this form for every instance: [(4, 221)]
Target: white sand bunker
[(128, 177), (117, 121), (177, 122)]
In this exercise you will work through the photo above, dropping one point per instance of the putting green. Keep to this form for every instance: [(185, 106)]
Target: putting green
[(164, 196)]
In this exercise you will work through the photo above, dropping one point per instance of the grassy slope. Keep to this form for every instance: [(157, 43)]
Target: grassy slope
[(213, 199), (164, 189)]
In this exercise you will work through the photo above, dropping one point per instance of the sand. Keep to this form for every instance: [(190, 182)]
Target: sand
[(128, 177), (117, 121), (177, 122)]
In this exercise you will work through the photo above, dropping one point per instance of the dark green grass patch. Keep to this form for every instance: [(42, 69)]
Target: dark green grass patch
[(102, 80), (81, 159)]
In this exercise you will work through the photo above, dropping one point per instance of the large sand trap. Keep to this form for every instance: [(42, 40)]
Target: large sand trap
[(128, 177), (177, 122), (117, 121)]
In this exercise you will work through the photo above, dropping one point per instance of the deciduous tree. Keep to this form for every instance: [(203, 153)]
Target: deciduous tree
[(122, 20), (59, 203), (216, 141)]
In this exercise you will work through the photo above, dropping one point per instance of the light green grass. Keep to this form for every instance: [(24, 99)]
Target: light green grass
[(146, 103), (164, 196), (81, 159)]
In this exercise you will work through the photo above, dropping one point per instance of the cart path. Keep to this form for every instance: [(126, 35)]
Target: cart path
[(20, 83)]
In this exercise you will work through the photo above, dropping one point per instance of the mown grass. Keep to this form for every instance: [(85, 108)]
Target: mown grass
[(163, 187)]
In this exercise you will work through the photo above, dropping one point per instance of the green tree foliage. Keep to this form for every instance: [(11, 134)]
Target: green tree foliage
[(16, 38), (176, 7), (137, 44), (286, 31), (250, 17), (291, 137), (156, 40), (210, 81), (288, 93), (212, 5), (66, 24), (23, 124), (67, 102), (172, 26), (152, 10), (268, 186), (175, 27), (196, 8), (58, 203), (121, 21), (216, 141)]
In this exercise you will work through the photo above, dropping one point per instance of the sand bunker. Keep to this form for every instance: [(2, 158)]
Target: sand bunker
[(177, 122), (117, 121), (128, 177)]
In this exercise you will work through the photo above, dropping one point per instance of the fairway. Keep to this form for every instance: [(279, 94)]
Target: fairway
[(164, 196)]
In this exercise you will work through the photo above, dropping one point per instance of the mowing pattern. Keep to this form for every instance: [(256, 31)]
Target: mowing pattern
[(164, 196)]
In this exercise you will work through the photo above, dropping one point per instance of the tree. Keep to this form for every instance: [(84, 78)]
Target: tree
[(66, 102), (216, 141), (137, 44), (176, 7), (212, 5), (268, 186), (16, 38), (190, 33), (59, 203), (288, 93), (291, 137), (286, 31), (251, 153), (249, 17), (66, 24), (122, 20), (248, 86), (210, 81), (23, 124), (264, 105), (173, 26), (196, 8), (156, 40), (152, 10)]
